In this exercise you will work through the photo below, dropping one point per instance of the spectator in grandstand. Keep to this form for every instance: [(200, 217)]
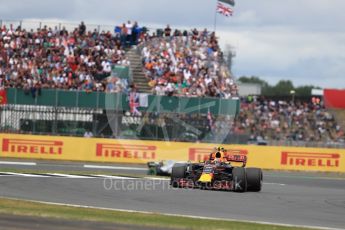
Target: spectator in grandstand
[(82, 29), (115, 85), (136, 30), (70, 60), (187, 65), (167, 31), (129, 28), (88, 134)]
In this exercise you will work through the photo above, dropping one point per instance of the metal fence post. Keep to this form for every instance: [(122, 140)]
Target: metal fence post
[(55, 113)]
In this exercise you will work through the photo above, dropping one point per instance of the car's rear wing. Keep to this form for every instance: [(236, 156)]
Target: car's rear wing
[(238, 158)]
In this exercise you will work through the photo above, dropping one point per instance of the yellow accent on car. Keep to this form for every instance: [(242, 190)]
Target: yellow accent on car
[(205, 178)]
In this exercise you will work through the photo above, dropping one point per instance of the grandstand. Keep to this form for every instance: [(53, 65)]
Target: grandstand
[(187, 65), (282, 122), (167, 86)]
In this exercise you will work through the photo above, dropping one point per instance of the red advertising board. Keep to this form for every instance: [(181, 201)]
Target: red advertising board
[(334, 98)]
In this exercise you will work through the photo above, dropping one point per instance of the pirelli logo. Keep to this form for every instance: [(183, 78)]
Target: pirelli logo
[(310, 159), (25, 146), (202, 154), (145, 152)]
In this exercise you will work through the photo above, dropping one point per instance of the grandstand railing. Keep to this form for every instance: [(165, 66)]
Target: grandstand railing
[(314, 144), (119, 101), (59, 112)]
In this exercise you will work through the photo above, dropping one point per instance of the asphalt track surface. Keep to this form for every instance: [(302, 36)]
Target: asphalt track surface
[(73, 166), (286, 198)]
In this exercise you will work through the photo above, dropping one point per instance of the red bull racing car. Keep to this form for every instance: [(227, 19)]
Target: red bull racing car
[(218, 173)]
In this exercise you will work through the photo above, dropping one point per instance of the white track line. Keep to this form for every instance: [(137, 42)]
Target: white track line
[(17, 163), (117, 177), (178, 215), (274, 183), (114, 167), (157, 178), (60, 175), (70, 176), (22, 174)]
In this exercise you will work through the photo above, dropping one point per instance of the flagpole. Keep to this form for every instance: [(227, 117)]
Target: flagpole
[(215, 18)]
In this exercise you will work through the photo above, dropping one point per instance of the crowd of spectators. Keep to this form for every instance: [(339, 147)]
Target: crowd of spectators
[(267, 120), (187, 64), (175, 63), (57, 58)]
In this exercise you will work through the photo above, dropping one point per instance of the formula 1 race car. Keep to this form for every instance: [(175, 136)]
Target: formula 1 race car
[(217, 175)]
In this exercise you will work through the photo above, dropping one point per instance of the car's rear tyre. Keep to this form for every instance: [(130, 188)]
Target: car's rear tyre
[(239, 179), (178, 171), (254, 179)]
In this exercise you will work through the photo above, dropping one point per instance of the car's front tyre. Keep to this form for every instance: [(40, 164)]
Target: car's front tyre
[(178, 172), (239, 179), (254, 179)]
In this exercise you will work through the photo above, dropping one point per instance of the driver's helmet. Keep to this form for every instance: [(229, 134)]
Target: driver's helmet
[(220, 152)]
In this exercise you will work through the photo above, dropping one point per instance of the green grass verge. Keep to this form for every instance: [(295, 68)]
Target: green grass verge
[(29, 208)]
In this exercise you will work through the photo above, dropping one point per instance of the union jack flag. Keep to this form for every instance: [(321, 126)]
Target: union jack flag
[(230, 2), (133, 103), (224, 10), (3, 97)]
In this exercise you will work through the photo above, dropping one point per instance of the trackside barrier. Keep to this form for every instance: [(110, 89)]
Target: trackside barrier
[(138, 151)]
